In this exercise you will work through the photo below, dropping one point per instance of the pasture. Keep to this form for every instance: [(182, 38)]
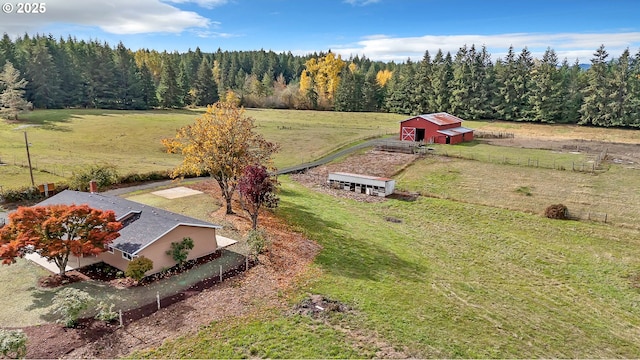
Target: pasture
[(450, 280), (63, 141), (473, 271)]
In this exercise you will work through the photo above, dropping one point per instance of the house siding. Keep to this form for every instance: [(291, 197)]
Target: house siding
[(204, 243)]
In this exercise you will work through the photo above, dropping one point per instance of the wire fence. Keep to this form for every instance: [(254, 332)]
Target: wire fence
[(592, 163)]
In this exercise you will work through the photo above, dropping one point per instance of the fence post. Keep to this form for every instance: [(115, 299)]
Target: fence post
[(220, 273), (120, 317), (158, 298), (605, 218), (246, 263)]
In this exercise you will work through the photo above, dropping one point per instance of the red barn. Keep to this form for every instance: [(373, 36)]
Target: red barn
[(441, 128)]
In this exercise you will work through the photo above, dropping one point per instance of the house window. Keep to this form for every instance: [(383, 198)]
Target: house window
[(127, 256)]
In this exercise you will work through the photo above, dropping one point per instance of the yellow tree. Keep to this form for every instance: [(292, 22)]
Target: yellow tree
[(323, 74), (222, 143), (383, 76)]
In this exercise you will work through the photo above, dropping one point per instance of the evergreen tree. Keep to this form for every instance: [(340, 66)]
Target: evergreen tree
[(522, 85), (12, 92), (147, 87), (401, 98), (619, 97), (128, 92), (441, 82), (169, 92), (462, 86), (506, 87), (43, 89), (545, 93), (594, 109), (372, 92), (571, 92), (424, 89), (206, 91)]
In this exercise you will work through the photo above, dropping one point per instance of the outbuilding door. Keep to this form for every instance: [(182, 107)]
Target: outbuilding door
[(408, 134)]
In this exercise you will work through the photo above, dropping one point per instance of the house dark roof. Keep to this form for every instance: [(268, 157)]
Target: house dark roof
[(440, 119), (151, 223)]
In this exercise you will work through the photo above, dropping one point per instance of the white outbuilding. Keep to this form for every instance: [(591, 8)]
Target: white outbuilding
[(364, 184)]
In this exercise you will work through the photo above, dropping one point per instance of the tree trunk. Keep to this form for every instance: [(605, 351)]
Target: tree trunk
[(254, 220), (229, 209)]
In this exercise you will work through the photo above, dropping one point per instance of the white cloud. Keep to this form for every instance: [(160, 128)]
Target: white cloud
[(569, 45), (114, 16), (209, 4)]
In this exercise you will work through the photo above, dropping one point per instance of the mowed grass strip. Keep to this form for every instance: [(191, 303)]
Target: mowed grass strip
[(612, 192), (22, 303), (64, 141), (460, 280)]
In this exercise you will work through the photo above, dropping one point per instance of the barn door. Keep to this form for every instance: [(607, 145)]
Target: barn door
[(408, 134)]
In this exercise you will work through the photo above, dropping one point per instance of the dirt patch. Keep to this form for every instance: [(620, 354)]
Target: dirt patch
[(373, 163), (318, 305)]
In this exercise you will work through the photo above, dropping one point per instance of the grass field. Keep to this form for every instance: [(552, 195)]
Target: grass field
[(529, 189), (452, 280), (64, 141)]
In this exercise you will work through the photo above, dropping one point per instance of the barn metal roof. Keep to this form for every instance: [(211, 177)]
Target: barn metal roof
[(455, 131), (362, 176), (151, 224), (441, 118)]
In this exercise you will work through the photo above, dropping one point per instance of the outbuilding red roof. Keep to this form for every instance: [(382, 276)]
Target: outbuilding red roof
[(441, 118)]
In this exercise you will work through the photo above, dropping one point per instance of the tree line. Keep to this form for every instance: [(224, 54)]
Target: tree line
[(64, 73)]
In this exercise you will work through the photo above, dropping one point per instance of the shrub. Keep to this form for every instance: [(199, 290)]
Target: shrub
[(13, 343), (105, 312), (104, 175), (69, 303), (20, 195), (137, 267), (258, 241), (180, 250), (557, 211)]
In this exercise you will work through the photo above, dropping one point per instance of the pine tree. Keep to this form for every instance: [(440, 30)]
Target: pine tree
[(441, 82), (619, 97), (522, 85), (401, 98), (128, 89), (545, 94), (206, 91), (43, 89), (594, 109), (462, 92), (169, 92), (147, 87), (424, 89), (506, 87), (12, 96)]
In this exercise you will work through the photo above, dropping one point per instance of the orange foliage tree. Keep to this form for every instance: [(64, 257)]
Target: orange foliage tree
[(222, 142), (57, 231)]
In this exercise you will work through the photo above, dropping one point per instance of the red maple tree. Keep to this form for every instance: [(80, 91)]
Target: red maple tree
[(57, 231), (257, 189)]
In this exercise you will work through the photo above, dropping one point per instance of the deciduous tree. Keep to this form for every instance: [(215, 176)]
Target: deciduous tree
[(222, 143), (57, 231), (257, 189)]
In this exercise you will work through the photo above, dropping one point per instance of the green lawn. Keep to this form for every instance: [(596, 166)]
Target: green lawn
[(64, 141), (457, 280)]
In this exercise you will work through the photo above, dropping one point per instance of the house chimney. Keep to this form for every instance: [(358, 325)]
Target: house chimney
[(93, 186)]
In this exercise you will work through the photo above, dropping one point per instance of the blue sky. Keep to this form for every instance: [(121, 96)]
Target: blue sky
[(380, 29)]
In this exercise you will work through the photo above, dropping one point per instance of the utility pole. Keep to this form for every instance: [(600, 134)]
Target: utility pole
[(26, 143)]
